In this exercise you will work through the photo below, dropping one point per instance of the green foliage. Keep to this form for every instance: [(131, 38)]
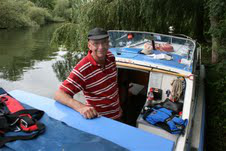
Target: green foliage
[(73, 35), (63, 68), (152, 15), (144, 15), (216, 107), (217, 11), (70, 40), (39, 15), (62, 9), (217, 15), (216, 8), (49, 4), (28, 4), (27, 13), (12, 15), (22, 13)]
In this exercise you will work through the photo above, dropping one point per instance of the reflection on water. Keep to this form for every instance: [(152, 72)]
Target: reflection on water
[(62, 68), (20, 49), (28, 63)]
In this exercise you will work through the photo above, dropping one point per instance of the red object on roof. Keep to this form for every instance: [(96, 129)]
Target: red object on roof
[(130, 36), (164, 47)]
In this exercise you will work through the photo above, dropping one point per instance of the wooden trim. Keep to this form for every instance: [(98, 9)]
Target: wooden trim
[(151, 69)]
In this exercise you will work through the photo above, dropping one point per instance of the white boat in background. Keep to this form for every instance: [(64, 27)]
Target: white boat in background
[(150, 60)]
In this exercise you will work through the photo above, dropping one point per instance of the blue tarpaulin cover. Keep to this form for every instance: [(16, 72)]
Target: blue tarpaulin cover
[(124, 135), (58, 136)]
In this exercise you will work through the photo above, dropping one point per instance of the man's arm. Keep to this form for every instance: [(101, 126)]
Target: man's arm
[(85, 110)]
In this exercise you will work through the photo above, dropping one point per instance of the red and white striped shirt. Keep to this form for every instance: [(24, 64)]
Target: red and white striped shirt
[(98, 84)]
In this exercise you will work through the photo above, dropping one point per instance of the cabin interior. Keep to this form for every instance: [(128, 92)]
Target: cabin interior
[(134, 85)]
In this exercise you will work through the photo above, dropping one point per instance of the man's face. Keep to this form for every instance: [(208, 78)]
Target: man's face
[(99, 48)]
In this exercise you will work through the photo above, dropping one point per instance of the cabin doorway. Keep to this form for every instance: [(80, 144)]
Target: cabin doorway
[(133, 86)]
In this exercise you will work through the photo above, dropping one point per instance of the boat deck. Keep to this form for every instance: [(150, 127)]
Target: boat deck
[(132, 55)]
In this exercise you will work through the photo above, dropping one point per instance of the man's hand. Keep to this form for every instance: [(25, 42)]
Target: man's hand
[(88, 112), (85, 110)]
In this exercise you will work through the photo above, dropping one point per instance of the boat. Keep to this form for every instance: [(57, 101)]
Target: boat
[(145, 61)]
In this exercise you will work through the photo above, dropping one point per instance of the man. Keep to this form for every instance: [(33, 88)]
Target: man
[(96, 76)]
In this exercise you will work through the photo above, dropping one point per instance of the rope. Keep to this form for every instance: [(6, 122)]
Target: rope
[(177, 89)]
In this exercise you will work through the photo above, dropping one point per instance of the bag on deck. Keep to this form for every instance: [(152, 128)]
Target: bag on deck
[(15, 118), (173, 106)]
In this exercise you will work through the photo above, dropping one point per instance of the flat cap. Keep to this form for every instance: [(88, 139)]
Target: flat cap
[(97, 34)]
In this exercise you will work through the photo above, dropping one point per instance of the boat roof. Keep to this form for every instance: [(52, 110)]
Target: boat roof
[(128, 50)]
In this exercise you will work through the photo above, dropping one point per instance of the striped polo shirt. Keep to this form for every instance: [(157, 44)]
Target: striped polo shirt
[(98, 84)]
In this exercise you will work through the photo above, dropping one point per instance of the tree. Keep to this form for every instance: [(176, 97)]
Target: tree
[(22, 13), (144, 15), (11, 14), (217, 16), (62, 9), (49, 4)]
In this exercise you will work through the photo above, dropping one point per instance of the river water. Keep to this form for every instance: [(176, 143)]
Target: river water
[(28, 63)]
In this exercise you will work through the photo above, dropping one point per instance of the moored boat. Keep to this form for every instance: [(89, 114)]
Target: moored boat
[(154, 62)]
